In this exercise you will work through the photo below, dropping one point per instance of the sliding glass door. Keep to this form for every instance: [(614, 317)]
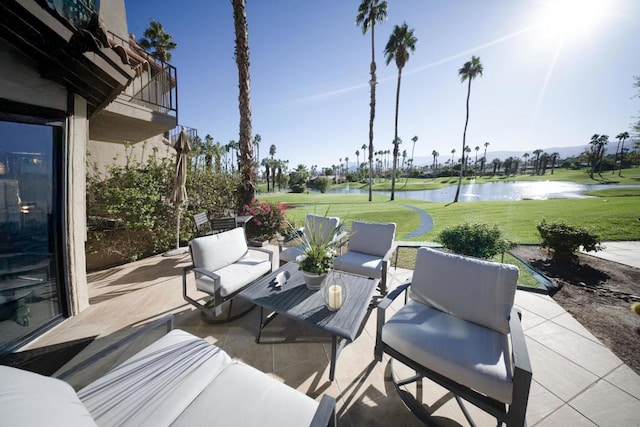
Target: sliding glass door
[(32, 294)]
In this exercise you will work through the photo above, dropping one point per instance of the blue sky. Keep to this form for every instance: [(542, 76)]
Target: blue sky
[(553, 75)]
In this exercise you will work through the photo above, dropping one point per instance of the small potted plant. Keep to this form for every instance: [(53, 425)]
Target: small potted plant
[(317, 257)]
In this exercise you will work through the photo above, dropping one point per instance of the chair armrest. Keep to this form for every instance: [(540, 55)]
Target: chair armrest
[(207, 273), (520, 354), (522, 373), (326, 413), (390, 252), (266, 251), (168, 319), (382, 306), (294, 235)]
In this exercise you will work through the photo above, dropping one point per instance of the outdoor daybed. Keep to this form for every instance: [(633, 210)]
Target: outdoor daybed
[(178, 380)]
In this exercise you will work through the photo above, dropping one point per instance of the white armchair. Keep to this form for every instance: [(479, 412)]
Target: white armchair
[(369, 249), (223, 265), (324, 229), (461, 331)]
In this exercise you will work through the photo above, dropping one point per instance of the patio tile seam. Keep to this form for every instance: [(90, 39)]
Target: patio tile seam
[(616, 386)]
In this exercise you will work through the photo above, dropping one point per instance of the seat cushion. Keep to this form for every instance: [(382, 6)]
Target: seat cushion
[(156, 385), (473, 289), (242, 395), (218, 250), (291, 253), (463, 351), (373, 238), (28, 399), (359, 263), (235, 276)]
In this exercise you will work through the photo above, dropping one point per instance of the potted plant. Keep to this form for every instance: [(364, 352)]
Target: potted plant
[(319, 250)]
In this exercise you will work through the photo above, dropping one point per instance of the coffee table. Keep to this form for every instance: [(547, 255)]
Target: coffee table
[(298, 303)]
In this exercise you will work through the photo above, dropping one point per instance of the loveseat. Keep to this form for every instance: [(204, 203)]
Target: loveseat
[(178, 380)]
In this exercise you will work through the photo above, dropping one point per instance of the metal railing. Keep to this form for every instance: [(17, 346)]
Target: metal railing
[(175, 132), (156, 83)]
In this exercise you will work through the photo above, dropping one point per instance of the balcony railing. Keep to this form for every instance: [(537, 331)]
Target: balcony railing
[(175, 133), (77, 12), (156, 83)]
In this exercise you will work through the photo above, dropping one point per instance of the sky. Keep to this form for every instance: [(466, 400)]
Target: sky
[(555, 73)]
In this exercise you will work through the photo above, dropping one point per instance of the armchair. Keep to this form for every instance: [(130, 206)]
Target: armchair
[(369, 249), (223, 265), (461, 331), (323, 228)]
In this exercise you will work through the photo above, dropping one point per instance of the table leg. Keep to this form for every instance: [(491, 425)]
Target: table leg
[(336, 349), (262, 324)]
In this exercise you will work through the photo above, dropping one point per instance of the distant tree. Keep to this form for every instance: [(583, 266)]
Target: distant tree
[(621, 137), (257, 139), (370, 12), (404, 158), (435, 154), (525, 156), (536, 162), (453, 153), (266, 163), (358, 160), (159, 43), (496, 165), (414, 139), (401, 44), (486, 144), (298, 179), (469, 71)]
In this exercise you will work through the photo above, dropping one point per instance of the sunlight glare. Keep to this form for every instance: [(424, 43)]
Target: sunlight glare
[(565, 19)]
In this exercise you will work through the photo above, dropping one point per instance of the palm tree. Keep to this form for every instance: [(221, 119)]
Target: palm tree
[(496, 165), (467, 151), (602, 143), (414, 139), (525, 156), (486, 144), (469, 71), (453, 153), (404, 158), (623, 136), (157, 42), (476, 163), (536, 161), (358, 159), (594, 144), (257, 139), (435, 155), (370, 12), (266, 163), (208, 152), (246, 162), (401, 43), (554, 157), (346, 161)]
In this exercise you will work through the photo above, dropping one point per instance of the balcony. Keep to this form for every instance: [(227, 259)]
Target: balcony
[(148, 106)]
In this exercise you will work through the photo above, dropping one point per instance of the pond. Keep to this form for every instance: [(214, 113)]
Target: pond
[(493, 191)]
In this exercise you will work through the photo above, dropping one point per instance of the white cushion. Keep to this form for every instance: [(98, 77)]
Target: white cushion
[(235, 276), (473, 289), (291, 253), (28, 399), (242, 395), (156, 385), (359, 263), (219, 250), (320, 227), (467, 353), (373, 238)]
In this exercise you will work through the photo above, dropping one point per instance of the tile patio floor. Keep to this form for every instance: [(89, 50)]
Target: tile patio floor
[(576, 380)]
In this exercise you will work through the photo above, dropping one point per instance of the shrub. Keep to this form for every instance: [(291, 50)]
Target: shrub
[(323, 184), (475, 239), (564, 240), (268, 219)]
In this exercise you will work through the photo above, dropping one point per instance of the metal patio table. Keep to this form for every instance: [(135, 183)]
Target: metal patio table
[(298, 303)]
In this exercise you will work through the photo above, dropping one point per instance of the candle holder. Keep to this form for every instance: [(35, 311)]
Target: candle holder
[(334, 291)]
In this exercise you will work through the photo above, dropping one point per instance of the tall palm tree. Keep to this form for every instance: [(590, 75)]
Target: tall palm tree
[(486, 144), (594, 147), (435, 155), (554, 157), (623, 136), (401, 44), (257, 139), (370, 12), (620, 137), (536, 161), (358, 159), (346, 161), (414, 139), (525, 156), (475, 166), (364, 152), (469, 71), (159, 43), (602, 143), (467, 151), (246, 163), (453, 153)]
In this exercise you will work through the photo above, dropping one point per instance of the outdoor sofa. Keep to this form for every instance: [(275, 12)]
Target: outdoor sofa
[(179, 380)]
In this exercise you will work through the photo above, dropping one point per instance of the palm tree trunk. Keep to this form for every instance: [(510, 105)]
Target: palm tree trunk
[(621, 157), (464, 143), (395, 139), (372, 104), (246, 164)]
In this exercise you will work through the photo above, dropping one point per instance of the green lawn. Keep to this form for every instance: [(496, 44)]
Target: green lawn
[(612, 218)]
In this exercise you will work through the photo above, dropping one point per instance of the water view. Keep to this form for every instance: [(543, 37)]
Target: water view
[(493, 191)]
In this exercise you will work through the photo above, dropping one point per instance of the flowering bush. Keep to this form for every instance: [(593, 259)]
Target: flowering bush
[(268, 218), (316, 259)]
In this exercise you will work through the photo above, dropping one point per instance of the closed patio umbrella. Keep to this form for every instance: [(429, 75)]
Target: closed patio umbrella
[(180, 191)]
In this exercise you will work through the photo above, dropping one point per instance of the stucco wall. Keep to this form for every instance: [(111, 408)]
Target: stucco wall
[(105, 154)]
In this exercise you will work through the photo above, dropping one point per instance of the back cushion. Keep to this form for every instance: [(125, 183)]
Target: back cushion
[(322, 227), (219, 250), (28, 399), (479, 291), (373, 238)]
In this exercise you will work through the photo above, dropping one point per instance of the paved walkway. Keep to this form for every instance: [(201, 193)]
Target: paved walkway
[(627, 253), (426, 223)]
